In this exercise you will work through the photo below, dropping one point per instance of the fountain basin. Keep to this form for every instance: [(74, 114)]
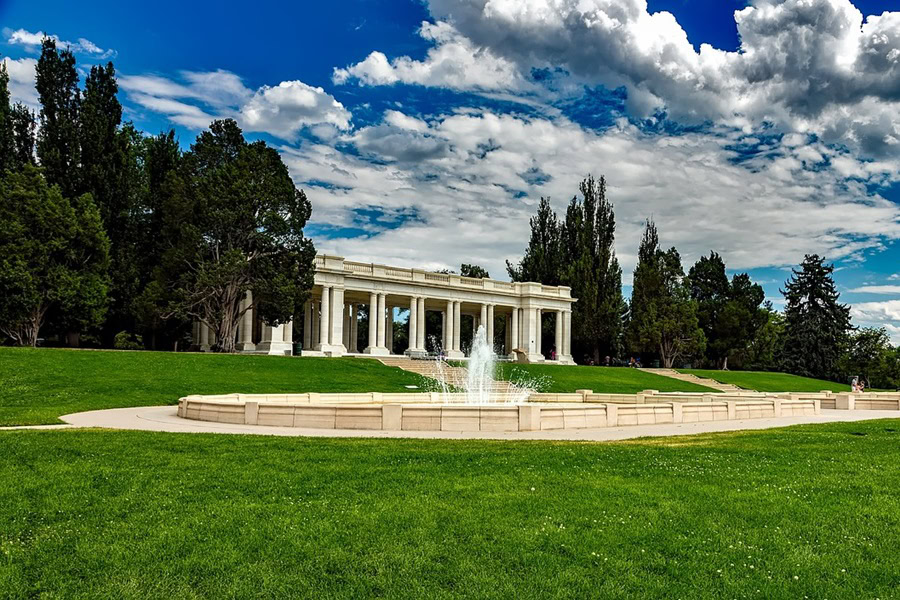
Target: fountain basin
[(437, 412)]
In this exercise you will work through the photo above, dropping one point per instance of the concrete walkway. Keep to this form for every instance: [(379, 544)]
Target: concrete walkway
[(690, 378), (163, 418)]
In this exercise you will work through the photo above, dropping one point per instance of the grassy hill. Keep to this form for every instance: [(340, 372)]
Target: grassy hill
[(603, 380), (36, 386), (809, 511), (764, 381)]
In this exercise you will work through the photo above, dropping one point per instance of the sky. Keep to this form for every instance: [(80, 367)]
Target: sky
[(425, 132)]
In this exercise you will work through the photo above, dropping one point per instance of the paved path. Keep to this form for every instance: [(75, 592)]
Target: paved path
[(163, 418), (704, 381)]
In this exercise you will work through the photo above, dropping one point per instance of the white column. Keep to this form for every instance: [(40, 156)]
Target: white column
[(514, 331), (316, 318), (420, 330), (539, 332), (373, 323), (443, 329), (354, 328), (325, 319), (567, 333), (204, 337), (457, 325), (490, 325), (379, 316), (389, 330), (289, 332), (195, 333), (307, 324), (413, 333), (337, 320), (560, 351), (346, 331), (449, 327)]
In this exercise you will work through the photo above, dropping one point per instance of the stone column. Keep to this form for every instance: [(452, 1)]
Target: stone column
[(514, 338), (245, 341), (325, 319), (337, 321), (567, 333), (354, 328), (289, 336), (389, 330), (420, 330), (315, 324), (457, 325), (539, 331), (204, 337), (195, 333), (380, 318), (307, 324), (449, 327), (560, 351), (413, 323), (373, 324), (346, 331), (490, 326)]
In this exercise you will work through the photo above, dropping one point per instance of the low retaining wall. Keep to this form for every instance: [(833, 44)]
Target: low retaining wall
[(363, 411)]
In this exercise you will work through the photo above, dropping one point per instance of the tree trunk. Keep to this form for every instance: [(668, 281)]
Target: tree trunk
[(725, 364)]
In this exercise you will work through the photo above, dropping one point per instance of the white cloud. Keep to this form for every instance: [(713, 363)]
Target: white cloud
[(877, 289), (811, 66), (879, 314), (285, 109), (32, 40), (21, 81), (472, 181), (454, 62), (201, 97)]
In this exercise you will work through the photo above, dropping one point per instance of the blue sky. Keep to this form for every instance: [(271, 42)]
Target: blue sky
[(425, 132)]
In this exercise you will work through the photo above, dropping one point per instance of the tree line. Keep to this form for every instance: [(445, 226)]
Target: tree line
[(702, 317), (110, 237)]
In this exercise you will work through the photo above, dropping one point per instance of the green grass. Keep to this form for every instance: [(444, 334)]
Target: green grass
[(603, 380), (808, 511), (764, 381), (37, 386)]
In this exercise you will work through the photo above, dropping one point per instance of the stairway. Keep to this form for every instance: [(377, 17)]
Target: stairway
[(710, 383), (453, 376)]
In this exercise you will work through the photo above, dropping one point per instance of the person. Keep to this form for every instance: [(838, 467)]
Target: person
[(553, 353), (637, 363), (854, 384), (862, 386), (631, 362), (606, 361)]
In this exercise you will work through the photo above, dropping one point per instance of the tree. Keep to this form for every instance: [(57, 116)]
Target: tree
[(474, 271), (235, 223), (765, 348), (23, 123), (663, 317), (53, 257), (728, 312), (871, 357), (7, 137), (592, 270), (817, 326), (541, 262), (58, 146)]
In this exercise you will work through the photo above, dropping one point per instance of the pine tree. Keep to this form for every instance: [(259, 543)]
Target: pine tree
[(541, 262), (7, 135), (23, 126), (58, 146), (817, 326)]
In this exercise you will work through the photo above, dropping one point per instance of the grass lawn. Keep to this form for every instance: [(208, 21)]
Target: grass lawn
[(37, 386), (764, 381), (809, 511), (603, 380)]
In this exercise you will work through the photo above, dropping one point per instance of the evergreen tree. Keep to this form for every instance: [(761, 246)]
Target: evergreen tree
[(58, 146), (53, 258), (542, 261), (663, 315), (729, 312), (474, 271), (234, 222), (23, 127), (592, 271), (7, 135), (817, 326)]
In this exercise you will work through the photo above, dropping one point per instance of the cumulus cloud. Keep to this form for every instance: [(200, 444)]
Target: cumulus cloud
[(877, 289), (454, 62), (32, 41), (21, 81), (200, 97), (470, 179), (807, 65), (879, 314)]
